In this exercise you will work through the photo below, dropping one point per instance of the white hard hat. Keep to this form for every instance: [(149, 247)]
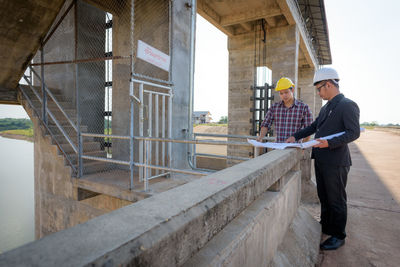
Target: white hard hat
[(325, 74)]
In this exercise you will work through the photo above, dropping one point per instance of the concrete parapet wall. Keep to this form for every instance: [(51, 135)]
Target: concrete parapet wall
[(169, 228), (253, 237)]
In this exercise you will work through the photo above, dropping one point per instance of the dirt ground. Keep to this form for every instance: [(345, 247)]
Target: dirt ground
[(211, 149), (373, 190)]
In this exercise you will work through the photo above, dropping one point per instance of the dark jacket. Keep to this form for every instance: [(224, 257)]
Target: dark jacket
[(340, 114)]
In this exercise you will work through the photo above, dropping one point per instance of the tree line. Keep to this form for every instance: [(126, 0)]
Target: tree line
[(15, 124)]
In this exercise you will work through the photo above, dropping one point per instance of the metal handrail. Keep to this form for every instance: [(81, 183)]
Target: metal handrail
[(204, 142), (234, 136), (48, 129), (194, 154), (53, 118), (151, 78), (62, 131), (55, 101), (221, 156), (127, 137), (152, 84)]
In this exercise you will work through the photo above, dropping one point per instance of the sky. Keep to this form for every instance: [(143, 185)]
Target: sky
[(364, 40), (365, 46)]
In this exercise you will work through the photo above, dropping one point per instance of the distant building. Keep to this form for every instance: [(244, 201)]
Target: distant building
[(201, 117)]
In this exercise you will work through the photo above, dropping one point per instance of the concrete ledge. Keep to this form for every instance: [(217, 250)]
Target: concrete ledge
[(210, 163), (163, 230), (253, 237)]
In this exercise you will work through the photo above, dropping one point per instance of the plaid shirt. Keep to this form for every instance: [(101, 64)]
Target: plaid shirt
[(287, 121)]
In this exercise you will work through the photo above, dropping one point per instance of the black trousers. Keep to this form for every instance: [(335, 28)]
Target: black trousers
[(331, 187)]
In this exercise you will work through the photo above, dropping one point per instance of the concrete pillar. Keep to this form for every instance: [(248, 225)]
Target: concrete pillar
[(283, 54), (282, 58), (151, 25), (241, 78), (121, 69), (180, 66), (91, 75), (308, 93)]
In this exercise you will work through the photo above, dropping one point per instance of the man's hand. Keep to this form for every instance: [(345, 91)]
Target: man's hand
[(322, 143), (291, 139), (263, 133)]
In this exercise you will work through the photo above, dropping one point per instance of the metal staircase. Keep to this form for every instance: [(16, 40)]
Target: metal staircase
[(61, 126)]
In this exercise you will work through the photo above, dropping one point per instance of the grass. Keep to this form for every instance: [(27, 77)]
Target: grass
[(24, 132), (368, 127)]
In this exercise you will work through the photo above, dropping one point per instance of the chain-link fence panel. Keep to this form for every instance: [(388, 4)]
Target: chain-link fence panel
[(92, 59)]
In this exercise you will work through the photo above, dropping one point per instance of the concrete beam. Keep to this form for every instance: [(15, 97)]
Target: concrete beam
[(8, 96), (292, 15), (213, 17), (248, 26), (163, 230), (250, 16), (24, 24), (271, 21)]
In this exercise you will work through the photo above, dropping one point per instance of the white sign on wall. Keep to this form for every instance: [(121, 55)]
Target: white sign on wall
[(153, 55)]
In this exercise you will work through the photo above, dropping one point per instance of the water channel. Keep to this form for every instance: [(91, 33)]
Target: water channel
[(17, 224)]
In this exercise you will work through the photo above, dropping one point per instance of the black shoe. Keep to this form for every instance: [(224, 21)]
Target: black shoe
[(332, 243)]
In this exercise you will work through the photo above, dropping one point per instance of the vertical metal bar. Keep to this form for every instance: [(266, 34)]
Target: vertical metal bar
[(170, 130), (141, 119), (170, 18), (191, 73), (44, 98), (146, 182), (31, 74), (265, 100), (132, 24), (163, 114), (254, 111), (131, 139), (150, 130), (194, 152), (156, 126), (77, 97)]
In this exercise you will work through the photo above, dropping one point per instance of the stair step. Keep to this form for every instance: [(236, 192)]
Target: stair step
[(69, 129), (73, 136), (63, 122), (52, 105), (87, 147), (38, 88)]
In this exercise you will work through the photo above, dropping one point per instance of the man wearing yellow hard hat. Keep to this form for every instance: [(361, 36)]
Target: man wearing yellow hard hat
[(288, 115)]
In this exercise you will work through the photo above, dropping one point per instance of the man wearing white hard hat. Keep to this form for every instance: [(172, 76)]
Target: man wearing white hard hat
[(332, 157)]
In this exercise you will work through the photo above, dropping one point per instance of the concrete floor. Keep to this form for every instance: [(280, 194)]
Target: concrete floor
[(373, 226)]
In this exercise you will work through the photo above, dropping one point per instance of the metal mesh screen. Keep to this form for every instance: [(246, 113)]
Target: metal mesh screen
[(88, 59)]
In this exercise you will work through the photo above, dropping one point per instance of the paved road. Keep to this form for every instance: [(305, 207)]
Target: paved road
[(373, 226)]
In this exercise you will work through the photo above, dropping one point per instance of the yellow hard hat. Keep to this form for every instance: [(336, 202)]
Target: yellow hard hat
[(283, 84)]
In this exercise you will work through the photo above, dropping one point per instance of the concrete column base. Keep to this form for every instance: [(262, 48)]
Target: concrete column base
[(253, 237), (300, 246)]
